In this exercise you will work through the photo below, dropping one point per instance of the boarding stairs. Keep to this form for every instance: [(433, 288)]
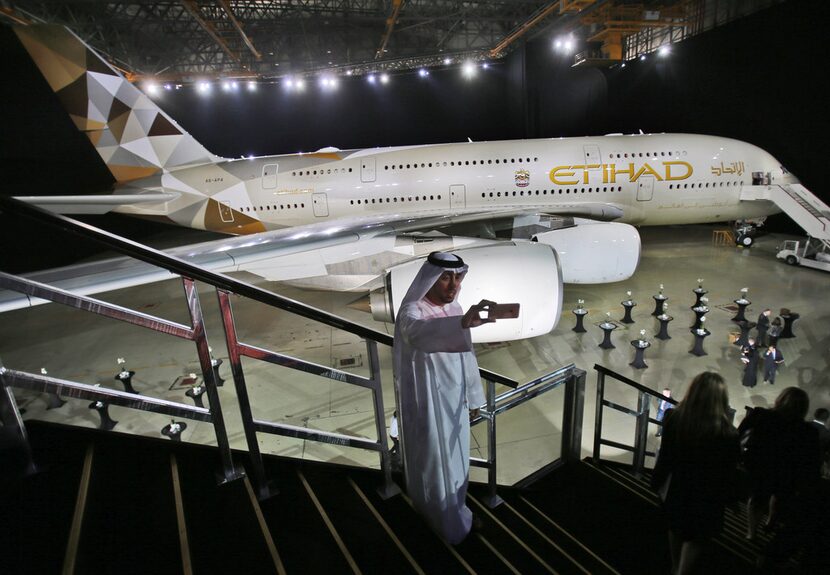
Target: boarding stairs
[(799, 203), (109, 502)]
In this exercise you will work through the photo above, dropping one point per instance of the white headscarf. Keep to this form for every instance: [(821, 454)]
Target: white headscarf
[(436, 264)]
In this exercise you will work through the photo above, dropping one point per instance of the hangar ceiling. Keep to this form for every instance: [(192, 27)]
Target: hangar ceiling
[(188, 40)]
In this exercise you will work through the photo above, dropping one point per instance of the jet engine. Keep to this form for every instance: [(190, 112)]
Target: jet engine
[(594, 252), (525, 273)]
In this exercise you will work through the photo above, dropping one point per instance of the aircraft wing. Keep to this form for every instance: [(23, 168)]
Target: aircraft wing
[(97, 204), (350, 254)]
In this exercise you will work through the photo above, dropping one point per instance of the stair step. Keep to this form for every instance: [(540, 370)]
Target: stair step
[(295, 523), (365, 539), (129, 524), (552, 544), (425, 547), (37, 510), (223, 529)]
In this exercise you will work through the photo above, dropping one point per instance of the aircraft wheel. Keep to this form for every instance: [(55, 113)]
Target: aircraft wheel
[(745, 241), (792, 260)]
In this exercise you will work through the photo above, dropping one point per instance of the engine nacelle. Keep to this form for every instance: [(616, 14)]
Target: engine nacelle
[(594, 252), (527, 273)]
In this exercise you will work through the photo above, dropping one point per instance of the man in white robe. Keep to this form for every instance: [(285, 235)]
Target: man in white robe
[(438, 385)]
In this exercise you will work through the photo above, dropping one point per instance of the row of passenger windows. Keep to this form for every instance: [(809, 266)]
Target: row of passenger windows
[(515, 193), (321, 172), (395, 200), (458, 163), (702, 185), (269, 208), (647, 154)]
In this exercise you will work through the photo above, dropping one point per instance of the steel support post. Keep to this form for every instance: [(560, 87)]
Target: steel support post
[(641, 433), (598, 416), (389, 487), (230, 473), (12, 420), (572, 416), (492, 499), (265, 488)]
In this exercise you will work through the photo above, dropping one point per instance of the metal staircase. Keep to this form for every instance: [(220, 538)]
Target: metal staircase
[(799, 203)]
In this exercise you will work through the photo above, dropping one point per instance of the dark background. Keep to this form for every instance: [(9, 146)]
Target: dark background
[(761, 79)]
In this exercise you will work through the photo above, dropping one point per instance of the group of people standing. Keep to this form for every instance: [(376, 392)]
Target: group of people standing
[(767, 343), (704, 464)]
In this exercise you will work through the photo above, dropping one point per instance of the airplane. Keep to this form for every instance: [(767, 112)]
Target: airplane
[(528, 215)]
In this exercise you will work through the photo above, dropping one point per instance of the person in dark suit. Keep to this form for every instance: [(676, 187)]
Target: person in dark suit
[(772, 359), (775, 329), (781, 456), (763, 326), (696, 464), (749, 357)]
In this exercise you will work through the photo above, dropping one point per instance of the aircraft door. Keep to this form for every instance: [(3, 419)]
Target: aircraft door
[(593, 162), (645, 188), (458, 196), (367, 169), (269, 176), (225, 212), (321, 205), (592, 156)]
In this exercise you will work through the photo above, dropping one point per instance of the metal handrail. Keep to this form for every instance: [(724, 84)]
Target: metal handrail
[(573, 378), (641, 413), (571, 444), (195, 333)]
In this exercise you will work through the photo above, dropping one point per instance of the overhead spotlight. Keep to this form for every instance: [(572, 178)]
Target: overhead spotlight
[(384, 78), (289, 83), (226, 86), (486, 65), (566, 44), (152, 89), (328, 82), (168, 87), (622, 65), (642, 57), (371, 78), (203, 87), (252, 86), (349, 72), (423, 72), (663, 51), (447, 61), (469, 69), (299, 85)]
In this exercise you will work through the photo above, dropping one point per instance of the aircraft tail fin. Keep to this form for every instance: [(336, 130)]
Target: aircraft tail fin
[(133, 136)]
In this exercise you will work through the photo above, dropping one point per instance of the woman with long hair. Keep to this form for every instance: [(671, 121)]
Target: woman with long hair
[(695, 468)]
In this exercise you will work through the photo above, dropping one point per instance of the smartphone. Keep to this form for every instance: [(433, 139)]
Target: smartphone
[(503, 311)]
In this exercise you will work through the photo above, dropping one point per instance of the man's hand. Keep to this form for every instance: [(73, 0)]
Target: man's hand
[(473, 316), (474, 413)]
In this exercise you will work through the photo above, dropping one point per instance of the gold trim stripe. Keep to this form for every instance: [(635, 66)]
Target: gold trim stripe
[(513, 535), (343, 549), (386, 528), (266, 533), (565, 532), (184, 544), (78, 518)]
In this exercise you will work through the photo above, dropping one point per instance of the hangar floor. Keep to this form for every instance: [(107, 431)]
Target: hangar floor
[(73, 345)]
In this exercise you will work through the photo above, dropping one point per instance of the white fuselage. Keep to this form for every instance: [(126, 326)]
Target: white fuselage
[(654, 180)]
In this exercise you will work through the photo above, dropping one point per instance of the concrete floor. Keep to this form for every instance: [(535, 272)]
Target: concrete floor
[(77, 346)]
